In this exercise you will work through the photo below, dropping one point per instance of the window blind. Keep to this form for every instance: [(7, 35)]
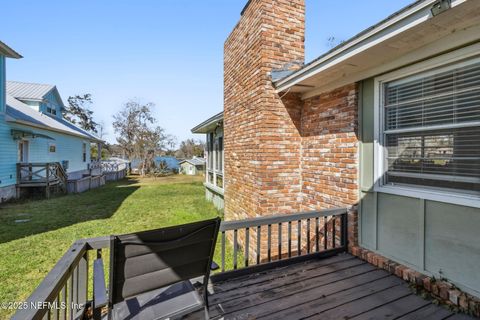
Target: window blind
[(448, 98), (219, 154), (431, 129), (210, 151)]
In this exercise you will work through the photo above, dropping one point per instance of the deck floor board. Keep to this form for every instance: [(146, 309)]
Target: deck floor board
[(339, 287)]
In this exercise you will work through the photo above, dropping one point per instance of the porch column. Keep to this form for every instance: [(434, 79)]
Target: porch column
[(99, 153)]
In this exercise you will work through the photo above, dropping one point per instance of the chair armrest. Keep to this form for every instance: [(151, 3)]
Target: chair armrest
[(99, 289), (214, 266)]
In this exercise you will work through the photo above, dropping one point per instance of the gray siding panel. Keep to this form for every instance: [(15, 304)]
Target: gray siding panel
[(452, 243), (368, 221), (398, 227)]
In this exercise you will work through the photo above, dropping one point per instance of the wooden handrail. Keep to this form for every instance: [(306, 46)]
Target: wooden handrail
[(279, 218), (63, 282), (68, 281), (45, 172), (298, 236)]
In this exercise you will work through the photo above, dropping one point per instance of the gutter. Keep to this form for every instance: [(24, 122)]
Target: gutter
[(9, 52), (211, 120), (418, 12), (28, 124)]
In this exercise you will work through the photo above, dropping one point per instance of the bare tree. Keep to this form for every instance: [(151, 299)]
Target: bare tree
[(137, 133)]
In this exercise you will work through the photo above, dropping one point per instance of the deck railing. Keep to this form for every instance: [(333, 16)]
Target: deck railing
[(269, 241), (67, 290), (44, 174), (64, 292)]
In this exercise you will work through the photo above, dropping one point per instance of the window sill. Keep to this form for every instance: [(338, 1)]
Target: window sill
[(440, 196), (213, 188)]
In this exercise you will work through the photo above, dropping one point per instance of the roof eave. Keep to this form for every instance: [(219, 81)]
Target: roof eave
[(419, 10), (201, 128), (29, 124), (9, 52)]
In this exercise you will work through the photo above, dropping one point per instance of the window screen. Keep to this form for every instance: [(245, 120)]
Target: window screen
[(219, 154), (431, 130), (210, 151)]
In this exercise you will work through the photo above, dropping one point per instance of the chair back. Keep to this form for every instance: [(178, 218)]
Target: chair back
[(144, 261)]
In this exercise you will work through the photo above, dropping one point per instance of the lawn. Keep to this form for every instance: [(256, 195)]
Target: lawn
[(29, 249)]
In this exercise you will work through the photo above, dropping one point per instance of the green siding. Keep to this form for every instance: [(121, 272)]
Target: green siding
[(435, 238)]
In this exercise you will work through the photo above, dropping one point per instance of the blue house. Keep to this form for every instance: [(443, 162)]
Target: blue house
[(172, 163), (36, 142)]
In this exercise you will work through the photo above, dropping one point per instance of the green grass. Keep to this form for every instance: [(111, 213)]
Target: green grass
[(28, 250)]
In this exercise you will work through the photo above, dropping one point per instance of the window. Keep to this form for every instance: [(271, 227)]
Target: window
[(51, 110), (210, 151), (52, 147), (219, 154), (430, 129), (84, 152)]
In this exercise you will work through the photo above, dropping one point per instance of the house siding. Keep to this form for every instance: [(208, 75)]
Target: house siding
[(51, 101), (2, 84), (186, 167), (428, 236), (67, 148)]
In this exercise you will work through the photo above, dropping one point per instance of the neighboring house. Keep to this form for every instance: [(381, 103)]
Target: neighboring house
[(192, 167), (33, 130), (387, 122), (214, 177), (172, 162)]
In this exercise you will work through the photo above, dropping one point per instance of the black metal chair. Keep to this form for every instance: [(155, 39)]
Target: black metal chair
[(151, 272)]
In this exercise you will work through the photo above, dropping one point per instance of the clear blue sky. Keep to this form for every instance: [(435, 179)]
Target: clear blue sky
[(169, 52)]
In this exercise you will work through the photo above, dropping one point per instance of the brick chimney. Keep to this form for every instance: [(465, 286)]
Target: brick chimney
[(262, 138)]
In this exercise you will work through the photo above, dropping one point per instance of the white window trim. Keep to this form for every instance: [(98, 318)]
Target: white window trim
[(420, 192)]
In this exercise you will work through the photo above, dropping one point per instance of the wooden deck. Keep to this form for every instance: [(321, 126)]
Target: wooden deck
[(340, 287)]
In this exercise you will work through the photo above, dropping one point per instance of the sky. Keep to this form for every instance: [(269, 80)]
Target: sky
[(169, 52)]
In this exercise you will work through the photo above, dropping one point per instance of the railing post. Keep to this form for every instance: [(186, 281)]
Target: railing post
[(47, 177), (223, 251), (334, 228), (83, 279), (269, 243), (259, 236), (247, 245), (344, 222), (299, 237), (97, 312), (235, 245), (19, 173)]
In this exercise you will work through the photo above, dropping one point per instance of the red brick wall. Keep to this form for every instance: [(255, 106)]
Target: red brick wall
[(329, 149), (282, 154), (262, 142)]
